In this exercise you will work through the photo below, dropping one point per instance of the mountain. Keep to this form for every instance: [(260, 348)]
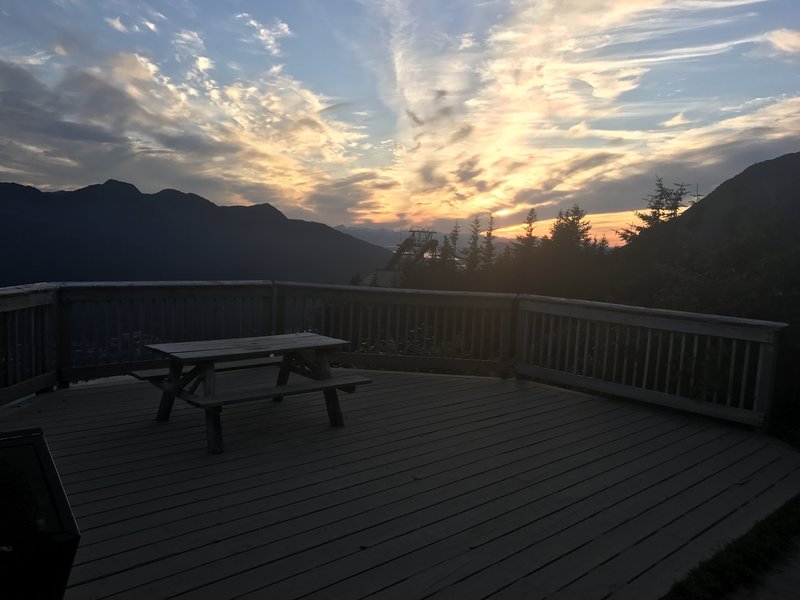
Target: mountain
[(764, 193), (736, 251), (385, 238), (114, 232)]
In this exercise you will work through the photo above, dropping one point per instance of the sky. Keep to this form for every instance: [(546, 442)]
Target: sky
[(399, 113)]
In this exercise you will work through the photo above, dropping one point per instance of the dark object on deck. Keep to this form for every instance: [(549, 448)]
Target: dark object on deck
[(38, 534)]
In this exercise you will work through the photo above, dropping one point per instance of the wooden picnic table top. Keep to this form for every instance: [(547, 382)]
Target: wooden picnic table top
[(250, 347)]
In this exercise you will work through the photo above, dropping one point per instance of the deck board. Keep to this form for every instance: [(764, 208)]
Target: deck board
[(438, 486)]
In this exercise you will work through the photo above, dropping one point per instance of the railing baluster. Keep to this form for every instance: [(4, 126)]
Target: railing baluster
[(717, 382), (669, 363), (586, 349), (745, 372), (658, 359), (693, 371), (625, 354), (647, 358), (730, 374)]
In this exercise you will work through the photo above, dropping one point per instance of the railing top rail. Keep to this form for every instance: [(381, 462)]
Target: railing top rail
[(29, 288), (397, 291), (20, 290), (27, 296), (161, 284), (657, 312)]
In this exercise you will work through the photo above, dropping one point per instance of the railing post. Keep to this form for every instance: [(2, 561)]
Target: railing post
[(51, 335), (765, 380), (3, 351), (509, 345), (277, 310), (63, 339)]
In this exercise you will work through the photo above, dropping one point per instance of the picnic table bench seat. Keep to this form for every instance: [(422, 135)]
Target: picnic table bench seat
[(212, 404), (345, 383)]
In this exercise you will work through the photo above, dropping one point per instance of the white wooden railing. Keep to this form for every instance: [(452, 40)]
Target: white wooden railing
[(715, 365), (51, 334)]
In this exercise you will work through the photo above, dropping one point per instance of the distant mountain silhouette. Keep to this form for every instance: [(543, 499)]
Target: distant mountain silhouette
[(113, 232)]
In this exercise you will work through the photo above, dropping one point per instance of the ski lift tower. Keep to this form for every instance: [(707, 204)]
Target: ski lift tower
[(419, 244)]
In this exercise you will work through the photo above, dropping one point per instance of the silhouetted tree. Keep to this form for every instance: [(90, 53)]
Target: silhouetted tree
[(472, 253), (525, 245), (570, 260), (455, 233), (663, 205), (570, 230), (488, 250), (447, 254)]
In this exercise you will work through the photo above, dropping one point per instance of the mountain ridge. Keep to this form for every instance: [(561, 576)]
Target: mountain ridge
[(113, 231)]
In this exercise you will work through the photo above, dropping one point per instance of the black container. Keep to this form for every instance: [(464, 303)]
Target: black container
[(38, 533)]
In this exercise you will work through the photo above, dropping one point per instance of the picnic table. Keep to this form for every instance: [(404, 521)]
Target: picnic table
[(195, 364)]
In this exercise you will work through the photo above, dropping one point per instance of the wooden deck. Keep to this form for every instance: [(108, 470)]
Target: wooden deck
[(438, 486)]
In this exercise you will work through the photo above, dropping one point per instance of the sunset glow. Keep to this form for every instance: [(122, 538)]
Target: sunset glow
[(391, 113)]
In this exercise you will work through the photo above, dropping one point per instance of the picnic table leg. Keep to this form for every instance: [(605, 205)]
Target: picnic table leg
[(168, 395), (283, 374), (214, 429), (209, 377), (331, 396)]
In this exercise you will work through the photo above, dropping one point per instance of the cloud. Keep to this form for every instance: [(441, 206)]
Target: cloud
[(462, 133), (414, 118), (188, 42), (116, 24), (268, 36), (466, 41), (468, 169), (204, 63), (129, 120), (784, 40), (676, 121), (428, 174)]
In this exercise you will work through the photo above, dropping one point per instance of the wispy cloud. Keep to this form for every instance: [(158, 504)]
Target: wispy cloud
[(188, 43), (676, 121), (117, 24), (268, 36), (784, 40)]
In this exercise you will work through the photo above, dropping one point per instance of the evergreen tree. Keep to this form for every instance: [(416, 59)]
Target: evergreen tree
[(472, 253), (455, 233), (663, 205), (446, 254), (524, 247), (488, 250), (570, 230)]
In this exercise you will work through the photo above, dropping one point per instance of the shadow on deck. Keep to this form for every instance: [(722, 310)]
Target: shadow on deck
[(438, 486)]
